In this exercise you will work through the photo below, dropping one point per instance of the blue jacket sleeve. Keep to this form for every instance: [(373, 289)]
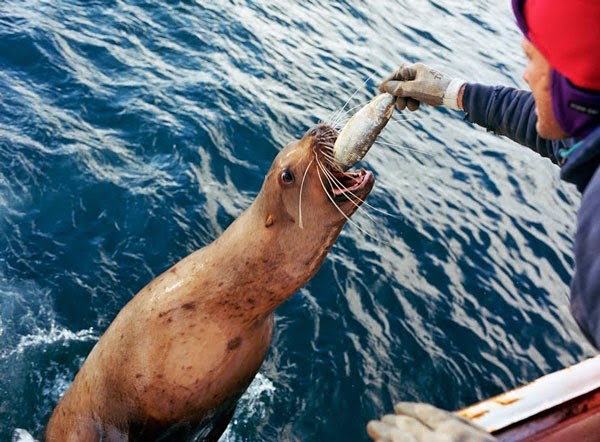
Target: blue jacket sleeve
[(585, 287), (509, 112)]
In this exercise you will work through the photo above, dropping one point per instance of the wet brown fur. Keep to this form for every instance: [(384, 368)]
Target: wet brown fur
[(184, 349)]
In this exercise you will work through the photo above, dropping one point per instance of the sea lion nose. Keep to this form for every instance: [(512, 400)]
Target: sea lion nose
[(312, 132), (321, 133)]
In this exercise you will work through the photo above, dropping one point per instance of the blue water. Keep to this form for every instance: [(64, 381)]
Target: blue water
[(132, 132)]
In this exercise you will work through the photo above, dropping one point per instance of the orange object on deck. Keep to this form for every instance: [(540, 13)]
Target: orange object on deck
[(561, 406)]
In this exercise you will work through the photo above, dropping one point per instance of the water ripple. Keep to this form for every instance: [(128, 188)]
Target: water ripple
[(132, 132)]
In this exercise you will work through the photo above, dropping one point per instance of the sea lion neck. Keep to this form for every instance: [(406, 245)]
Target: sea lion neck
[(250, 271)]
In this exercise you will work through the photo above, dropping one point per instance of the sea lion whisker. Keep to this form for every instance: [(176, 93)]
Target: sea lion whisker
[(328, 157), (362, 201), (338, 122), (326, 152), (327, 147), (330, 197), (329, 131), (328, 174), (383, 212), (342, 212), (327, 143), (341, 112), (413, 149), (337, 183), (352, 96), (343, 118), (341, 122), (330, 178), (403, 118), (300, 198), (331, 163)]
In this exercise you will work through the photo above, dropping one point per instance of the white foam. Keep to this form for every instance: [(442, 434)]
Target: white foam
[(20, 435), (47, 337), (59, 385), (252, 406)]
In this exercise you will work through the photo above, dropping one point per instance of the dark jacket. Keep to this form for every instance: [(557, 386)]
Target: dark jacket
[(510, 112)]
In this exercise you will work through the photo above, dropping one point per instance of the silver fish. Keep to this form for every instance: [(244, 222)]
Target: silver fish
[(361, 131)]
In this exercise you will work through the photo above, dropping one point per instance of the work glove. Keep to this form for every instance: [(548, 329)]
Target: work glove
[(414, 83), (416, 422)]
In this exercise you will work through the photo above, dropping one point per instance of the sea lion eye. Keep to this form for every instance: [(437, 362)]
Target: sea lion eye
[(287, 177)]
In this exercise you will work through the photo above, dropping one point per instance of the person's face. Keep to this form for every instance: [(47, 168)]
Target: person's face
[(537, 76)]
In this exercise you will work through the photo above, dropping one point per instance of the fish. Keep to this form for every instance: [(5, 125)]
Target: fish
[(360, 132)]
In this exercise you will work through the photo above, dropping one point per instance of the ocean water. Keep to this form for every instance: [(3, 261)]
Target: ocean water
[(132, 132)]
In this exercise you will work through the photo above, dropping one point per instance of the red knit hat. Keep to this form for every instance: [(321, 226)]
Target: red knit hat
[(567, 33)]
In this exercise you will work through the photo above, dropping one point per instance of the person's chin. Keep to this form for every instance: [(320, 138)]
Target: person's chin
[(549, 131)]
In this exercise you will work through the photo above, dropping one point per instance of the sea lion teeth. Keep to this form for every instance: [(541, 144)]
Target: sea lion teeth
[(350, 182)]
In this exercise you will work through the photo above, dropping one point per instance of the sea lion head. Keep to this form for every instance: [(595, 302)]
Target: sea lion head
[(306, 196)]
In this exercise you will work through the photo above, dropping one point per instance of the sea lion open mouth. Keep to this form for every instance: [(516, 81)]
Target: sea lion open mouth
[(342, 186), (350, 183)]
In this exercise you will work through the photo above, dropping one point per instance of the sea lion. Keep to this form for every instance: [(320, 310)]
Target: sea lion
[(178, 356)]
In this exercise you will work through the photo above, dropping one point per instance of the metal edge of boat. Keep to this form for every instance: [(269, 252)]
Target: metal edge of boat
[(561, 406)]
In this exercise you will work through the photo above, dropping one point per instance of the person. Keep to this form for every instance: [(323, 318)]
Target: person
[(559, 119)]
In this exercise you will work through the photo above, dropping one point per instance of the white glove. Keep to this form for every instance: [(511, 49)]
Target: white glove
[(416, 422), (423, 84)]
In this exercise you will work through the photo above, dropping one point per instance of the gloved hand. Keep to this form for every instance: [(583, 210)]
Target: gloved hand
[(416, 422), (414, 83)]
